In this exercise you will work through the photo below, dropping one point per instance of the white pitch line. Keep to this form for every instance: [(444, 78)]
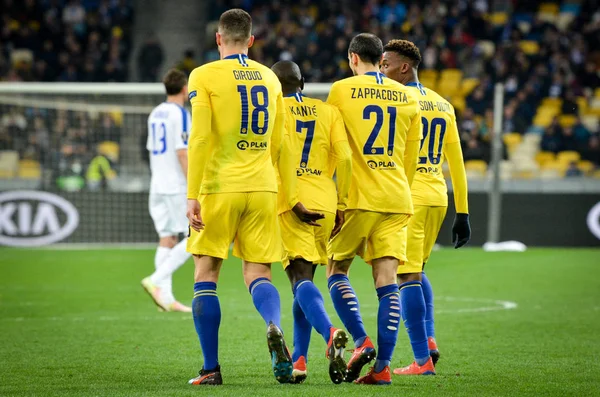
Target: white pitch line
[(497, 305)]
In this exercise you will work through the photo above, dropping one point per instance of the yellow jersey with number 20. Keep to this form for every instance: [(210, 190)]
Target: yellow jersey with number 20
[(381, 115), (439, 129)]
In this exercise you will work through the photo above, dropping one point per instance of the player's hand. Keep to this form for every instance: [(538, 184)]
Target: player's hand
[(461, 230), (307, 216), (340, 217), (193, 215)]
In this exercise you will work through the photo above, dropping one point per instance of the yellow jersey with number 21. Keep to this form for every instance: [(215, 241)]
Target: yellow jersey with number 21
[(381, 115)]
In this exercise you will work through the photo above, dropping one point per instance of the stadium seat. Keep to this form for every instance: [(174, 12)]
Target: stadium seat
[(498, 18), (596, 174), (586, 166), (594, 108), (549, 102), (544, 157), (476, 168), (583, 104), (512, 139), (117, 116), (109, 149), (454, 75), (468, 85), (9, 164), (567, 157), (428, 74), (564, 20), (550, 174), (428, 82), (529, 47), (551, 8), (459, 102), (597, 92), (29, 169), (567, 120)]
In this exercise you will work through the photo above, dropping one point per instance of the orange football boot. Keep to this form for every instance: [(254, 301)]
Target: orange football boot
[(208, 377), (434, 353), (376, 378), (361, 357), (299, 373), (416, 369)]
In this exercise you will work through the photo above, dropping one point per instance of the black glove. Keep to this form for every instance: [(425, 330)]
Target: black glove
[(461, 230)]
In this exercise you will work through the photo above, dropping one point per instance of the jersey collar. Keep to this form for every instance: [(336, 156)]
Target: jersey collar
[(378, 76), (418, 85), (241, 58), (297, 95)]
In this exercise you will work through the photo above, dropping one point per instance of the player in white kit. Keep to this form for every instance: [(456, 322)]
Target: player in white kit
[(168, 127)]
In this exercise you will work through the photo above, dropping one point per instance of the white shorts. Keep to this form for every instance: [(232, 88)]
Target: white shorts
[(168, 213)]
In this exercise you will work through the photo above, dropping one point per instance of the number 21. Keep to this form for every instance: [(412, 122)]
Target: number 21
[(368, 148)]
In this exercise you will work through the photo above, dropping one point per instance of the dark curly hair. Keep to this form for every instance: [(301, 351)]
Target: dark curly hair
[(405, 48)]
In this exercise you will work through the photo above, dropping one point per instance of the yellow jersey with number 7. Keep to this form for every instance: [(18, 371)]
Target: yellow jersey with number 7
[(381, 115)]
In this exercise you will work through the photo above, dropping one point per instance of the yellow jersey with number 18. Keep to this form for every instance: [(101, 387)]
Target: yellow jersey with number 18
[(439, 129), (238, 101), (381, 115)]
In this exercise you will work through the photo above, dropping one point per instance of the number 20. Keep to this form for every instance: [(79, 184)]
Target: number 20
[(434, 158)]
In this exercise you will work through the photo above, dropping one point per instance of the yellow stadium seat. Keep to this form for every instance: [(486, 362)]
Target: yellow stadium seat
[(428, 83), (476, 166), (597, 92), (583, 104), (529, 47), (29, 169), (596, 174), (428, 74), (454, 75), (525, 174), (544, 157), (567, 120), (9, 163), (459, 102), (109, 149), (512, 138), (590, 122), (498, 18), (549, 102), (550, 8), (542, 120), (567, 157), (586, 166), (468, 85), (117, 116)]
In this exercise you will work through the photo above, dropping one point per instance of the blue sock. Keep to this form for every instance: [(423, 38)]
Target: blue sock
[(302, 330), (266, 300), (207, 318), (413, 313), (428, 295), (347, 307), (388, 320), (311, 301)]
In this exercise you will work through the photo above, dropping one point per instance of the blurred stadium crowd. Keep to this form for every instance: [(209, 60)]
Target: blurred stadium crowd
[(546, 53), (65, 40)]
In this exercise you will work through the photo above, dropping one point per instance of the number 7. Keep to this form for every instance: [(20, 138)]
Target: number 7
[(310, 132)]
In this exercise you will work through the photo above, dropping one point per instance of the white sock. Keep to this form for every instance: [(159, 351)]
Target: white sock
[(161, 254), (176, 257)]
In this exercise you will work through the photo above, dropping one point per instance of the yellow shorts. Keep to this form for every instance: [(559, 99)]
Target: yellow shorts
[(301, 240), (249, 220), (423, 229), (370, 235)]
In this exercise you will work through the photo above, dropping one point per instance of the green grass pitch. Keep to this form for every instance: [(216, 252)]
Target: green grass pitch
[(77, 323)]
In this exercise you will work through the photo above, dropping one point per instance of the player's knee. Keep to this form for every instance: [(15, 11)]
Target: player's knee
[(206, 268), (338, 267), (252, 271), (300, 269), (168, 242), (406, 277), (384, 271)]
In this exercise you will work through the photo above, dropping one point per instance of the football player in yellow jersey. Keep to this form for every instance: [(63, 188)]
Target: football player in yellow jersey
[(440, 141), (321, 148), (383, 122), (238, 131)]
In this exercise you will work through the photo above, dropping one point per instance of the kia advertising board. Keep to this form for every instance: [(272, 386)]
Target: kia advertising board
[(30, 218)]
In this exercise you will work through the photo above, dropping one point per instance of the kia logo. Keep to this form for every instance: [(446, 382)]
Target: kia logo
[(31, 218), (593, 220)]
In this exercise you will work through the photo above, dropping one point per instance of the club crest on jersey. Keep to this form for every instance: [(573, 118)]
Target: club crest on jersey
[(243, 145), (381, 165)]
